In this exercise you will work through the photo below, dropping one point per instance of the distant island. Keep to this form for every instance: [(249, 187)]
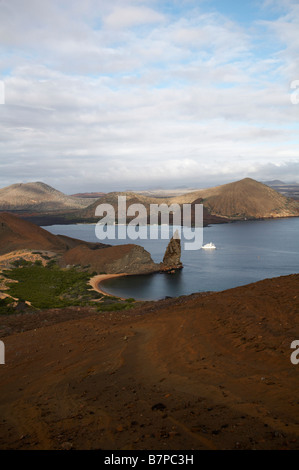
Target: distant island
[(241, 200)]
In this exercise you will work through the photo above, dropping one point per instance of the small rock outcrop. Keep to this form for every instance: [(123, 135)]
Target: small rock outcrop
[(129, 259), (172, 257)]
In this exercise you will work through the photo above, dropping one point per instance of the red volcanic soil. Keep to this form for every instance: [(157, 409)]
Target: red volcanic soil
[(19, 234), (16, 233), (208, 371)]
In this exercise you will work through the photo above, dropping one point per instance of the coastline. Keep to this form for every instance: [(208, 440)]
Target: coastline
[(95, 282)]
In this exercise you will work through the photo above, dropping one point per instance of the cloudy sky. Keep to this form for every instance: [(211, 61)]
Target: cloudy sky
[(105, 95)]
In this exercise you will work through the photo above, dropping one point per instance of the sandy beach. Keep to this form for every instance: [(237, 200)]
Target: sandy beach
[(95, 282)]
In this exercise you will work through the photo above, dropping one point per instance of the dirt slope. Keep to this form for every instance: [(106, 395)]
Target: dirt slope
[(19, 234), (209, 371), (16, 234)]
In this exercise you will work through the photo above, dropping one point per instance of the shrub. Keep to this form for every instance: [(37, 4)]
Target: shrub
[(21, 262), (53, 287), (113, 307), (5, 306), (51, 264), (49, 288)]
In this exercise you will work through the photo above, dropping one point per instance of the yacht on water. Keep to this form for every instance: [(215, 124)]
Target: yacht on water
[(209, 246)]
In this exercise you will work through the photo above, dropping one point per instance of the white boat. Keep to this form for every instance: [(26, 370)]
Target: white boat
[(209, 246)]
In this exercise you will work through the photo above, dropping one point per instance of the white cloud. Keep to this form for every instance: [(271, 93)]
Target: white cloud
[(104, 95), (127, 16)]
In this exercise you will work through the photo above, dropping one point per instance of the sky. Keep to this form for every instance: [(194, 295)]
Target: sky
[(104, 95)]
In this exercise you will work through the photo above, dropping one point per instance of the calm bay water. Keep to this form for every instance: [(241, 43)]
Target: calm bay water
[(246, 252)]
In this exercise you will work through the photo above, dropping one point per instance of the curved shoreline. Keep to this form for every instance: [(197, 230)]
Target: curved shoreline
[(95, 282)]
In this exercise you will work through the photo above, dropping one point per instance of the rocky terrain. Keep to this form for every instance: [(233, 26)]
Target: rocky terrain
[(129, 259), (208, 371), (17, 234), (172, 256)]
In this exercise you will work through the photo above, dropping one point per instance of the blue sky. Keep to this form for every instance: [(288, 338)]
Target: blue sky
[(246, 11), (109, 95)]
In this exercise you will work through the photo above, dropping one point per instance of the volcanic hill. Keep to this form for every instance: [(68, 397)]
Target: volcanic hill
[(16, 234), (240, 200), (38, 197), (146, 201), (243, 199)]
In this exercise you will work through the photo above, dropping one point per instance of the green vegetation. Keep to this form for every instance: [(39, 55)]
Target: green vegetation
[(52, 287), (106, 307), (21, 262), (51, 264), (5, 307)]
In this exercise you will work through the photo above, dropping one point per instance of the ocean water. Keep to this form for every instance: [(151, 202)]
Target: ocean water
[(245, 252)]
